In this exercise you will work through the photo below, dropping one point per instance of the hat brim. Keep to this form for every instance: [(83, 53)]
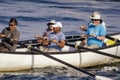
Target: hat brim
[(50, 23)]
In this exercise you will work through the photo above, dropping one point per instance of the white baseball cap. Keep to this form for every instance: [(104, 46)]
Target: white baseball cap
[(52, 21), (57, 24)]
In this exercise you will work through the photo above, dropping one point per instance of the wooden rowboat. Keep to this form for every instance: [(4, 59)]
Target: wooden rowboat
[(25, 59)]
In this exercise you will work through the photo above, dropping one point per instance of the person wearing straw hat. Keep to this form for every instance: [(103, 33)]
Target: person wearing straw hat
[(56, 39), (90, 23), (46, 33), (50, 28), (95, 33)]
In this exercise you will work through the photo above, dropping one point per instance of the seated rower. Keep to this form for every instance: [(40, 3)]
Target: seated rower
[(56, 39), (47, 32), (9, 35), (84, 28), (95, 33)]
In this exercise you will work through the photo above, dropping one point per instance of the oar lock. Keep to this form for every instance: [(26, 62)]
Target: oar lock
[(29, 47), (77, 43)]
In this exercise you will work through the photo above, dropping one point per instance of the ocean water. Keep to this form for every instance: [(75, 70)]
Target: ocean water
[(33, 15)]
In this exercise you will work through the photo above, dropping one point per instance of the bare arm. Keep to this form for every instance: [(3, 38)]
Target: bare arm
[(60, 44), (84, 28)]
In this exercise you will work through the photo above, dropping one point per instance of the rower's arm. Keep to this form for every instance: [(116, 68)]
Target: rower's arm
[(61, 43)]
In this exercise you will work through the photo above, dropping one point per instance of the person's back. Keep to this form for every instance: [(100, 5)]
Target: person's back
[(10, 35)]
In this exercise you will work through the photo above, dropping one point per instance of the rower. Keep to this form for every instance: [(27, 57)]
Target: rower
[(56, 39), (9, 35), (95, 33), (47, 32)]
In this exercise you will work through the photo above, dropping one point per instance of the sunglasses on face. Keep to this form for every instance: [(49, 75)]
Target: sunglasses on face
[(11, 25), (95, 20)]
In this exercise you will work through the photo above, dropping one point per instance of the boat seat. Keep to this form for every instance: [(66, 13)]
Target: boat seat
[(68, 48), (21, 50)]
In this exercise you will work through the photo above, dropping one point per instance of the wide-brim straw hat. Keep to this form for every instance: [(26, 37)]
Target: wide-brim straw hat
[(51, 22), (96, 16)]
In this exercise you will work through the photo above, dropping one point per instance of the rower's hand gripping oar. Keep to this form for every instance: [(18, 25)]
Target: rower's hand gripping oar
[(65, 63)]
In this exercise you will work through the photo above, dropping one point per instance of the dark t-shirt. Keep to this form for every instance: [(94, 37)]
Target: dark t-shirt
[(10, 35)]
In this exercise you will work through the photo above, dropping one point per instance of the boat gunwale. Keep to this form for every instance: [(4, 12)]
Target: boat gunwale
[(63, 52), (53, 53)]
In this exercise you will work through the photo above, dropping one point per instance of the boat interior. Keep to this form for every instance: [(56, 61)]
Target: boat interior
[(71, 42)]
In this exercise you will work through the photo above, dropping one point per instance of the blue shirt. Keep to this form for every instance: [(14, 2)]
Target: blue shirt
[(103, 24), (58, 37), (98, 31)]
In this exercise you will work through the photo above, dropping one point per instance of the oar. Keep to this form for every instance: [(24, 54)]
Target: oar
[(65, 63), (95, 51), (69, 38), (34, 42), (99, 52), (111, 38)]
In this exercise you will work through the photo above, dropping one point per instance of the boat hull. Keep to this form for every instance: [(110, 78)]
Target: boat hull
[(28, 60), (14, 62)]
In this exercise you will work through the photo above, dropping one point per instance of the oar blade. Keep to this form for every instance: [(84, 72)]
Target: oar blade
[(102, 78)]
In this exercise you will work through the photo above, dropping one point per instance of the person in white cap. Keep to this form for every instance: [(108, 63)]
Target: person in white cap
[(90, 23), (56, 39), (95, 33)]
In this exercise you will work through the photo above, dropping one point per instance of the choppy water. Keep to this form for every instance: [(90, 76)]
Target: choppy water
[(33, 15)]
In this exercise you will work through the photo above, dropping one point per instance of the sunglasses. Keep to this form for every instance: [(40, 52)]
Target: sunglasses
[(11, 25), (95, 19)]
